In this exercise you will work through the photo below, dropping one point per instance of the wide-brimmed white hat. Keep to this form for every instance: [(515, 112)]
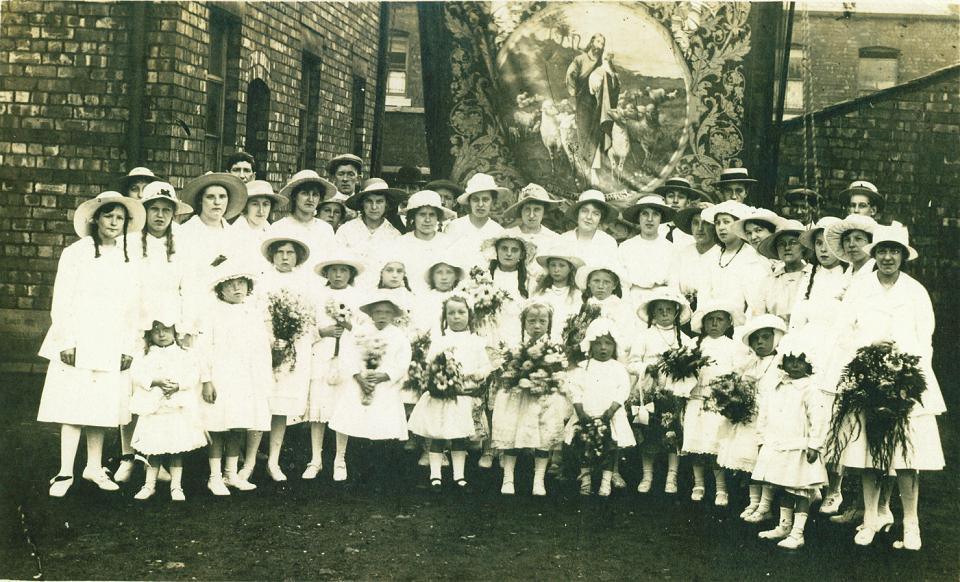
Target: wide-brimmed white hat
[(892, 234), (732, 175), (683, 219), (157, 190), (489, 247), (236, 192), (530, 193), (480, 182), (83, 217), (600, 327), (138, 173), (560, 250), (284, 231), (735, 209), (682, 184), (605, 264), (375, 186), (757, 215), (340, 256), (263, 189), (765, 321), (340, 199), (378, 296), (705, 308), (593, 197), (768, 246), (450, 259), (231, 268), (351, 159), (654, 201), (808, 238), (664, 294), (308, 177), (429, 199), (867, 189), (834, 233)]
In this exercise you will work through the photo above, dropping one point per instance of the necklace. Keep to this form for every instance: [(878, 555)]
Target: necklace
[(668, 340), (720, 257)]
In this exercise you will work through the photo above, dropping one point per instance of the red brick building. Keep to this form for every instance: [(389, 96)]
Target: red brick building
[(89, 90)]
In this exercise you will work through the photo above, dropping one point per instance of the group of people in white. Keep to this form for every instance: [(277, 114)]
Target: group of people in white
[(164, 324)]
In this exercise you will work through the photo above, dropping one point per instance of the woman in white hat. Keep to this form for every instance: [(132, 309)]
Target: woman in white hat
[(92, 339), (847, 240), (589, 212), (287, 288), (531, 207), (306, 190), (377, 225), (756, 226), (480, 198), (215, 199), (423, 242), (649, 257), (782, 288), (889, 305), (135, 181), (261, 201), (557, 285), (735, 271), (690, 263)]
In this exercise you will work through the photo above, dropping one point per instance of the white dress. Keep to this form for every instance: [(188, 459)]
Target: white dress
[(162, 278), (812, 329), (236, 348), (452, 418), (649, 263), (167, 425), (316, 233), (597, 385), (95, 310), (201, 245), (680, 238), (467, 238), (600, 247), (904, 314), (690, 270), (565, 305), (738, 278), (701, 428), (779, 294), (323, 394), (367, 244), (792, 419), (648, 344), (740, 443), (249, 238), (384, 417), (290, 389), (623, 313), (505, 327), (419, 255)]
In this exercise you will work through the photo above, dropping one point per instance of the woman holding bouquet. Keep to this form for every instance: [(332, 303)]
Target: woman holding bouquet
[(530, 409), (890, 306)]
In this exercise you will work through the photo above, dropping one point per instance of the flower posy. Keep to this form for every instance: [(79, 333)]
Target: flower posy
[(682, 362), (881, 384), (537, 367), (372, 347), (596, 441), (444, 376), (666, 422), (575, 330), (483, 296), (290, 317), (733, 397), (417, 370)]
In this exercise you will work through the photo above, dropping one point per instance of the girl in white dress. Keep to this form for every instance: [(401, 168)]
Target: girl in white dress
[(792, 425), (449, 422), (603, 284), (701, 428), (236, 386), (525, 421), (442, 278), (336, 317), (424, 240), (509, 258), (599, 387), (92, 339), (664, 310), (558, 285), (165, 385), (783, 285)]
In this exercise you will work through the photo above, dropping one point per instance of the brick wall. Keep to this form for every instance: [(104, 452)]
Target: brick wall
[(65, 85)]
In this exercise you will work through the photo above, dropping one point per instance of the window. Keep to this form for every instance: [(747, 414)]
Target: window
[(878, 69), (793, 99), (359, 112), (397, 50), (221, 78), (309, 111)]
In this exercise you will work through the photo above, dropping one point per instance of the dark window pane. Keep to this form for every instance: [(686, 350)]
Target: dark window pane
[(218, 36), (214, 121)]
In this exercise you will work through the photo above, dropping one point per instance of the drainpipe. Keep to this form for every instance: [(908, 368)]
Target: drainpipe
[(136, 75)]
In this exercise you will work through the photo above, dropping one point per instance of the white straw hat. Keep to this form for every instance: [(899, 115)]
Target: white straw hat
[(480, 183), (163, 191), (892, 234), (83, 217), (834, 233)]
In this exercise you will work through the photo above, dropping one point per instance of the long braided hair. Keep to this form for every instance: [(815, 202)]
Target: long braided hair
[(95, 229), (676, 317), (521, 270), (168, 238)]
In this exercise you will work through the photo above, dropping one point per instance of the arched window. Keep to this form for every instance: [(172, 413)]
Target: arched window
[(878, 69)]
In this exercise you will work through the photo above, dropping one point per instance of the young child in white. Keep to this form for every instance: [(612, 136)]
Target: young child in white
[(525, 421), (701, 428), (557, 285), (236, 338), (509, 259), (442, 278), (599, 387), (336, 317), (664, 310), (792, 427), (739, 443), (602, 283), (166, 381), (449, 422)]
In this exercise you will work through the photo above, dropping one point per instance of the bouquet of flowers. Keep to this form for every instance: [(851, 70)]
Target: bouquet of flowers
[(881, 384), (594, 440), (486, 299), (372, 347), (417, 370), (537, 367), (340, 313), (444, 376), (679, 367), (734, 397), (291, 317), (666, 420), (575, 329)]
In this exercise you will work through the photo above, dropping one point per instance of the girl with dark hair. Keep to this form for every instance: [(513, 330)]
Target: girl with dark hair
[(424, 240), (558, 285), (508, 259)]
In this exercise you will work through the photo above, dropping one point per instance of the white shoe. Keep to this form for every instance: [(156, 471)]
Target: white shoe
[(749, 510), (216, 486), (339, 471), (539, 490), (722, 499), (177, 495), (794, 541), (671, 485), (831, 504), (778, 533), (507, 488), (759, 515), (99, 476), (146, 492), (486, 461), (605, 488), (911, 538), (245, 473), (275, 473), (645, 485), (312, 470), (617, 481), (238, 482), (163, 474), (60, 484), (697, 494), (124, 471)]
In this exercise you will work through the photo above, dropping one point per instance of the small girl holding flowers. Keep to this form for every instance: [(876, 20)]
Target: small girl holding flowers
[(531, 407), (599, 387), (457, 364)]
